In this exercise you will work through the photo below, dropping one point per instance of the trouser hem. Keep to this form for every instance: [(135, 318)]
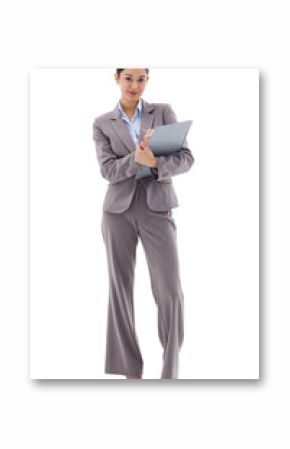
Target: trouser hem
[(122, 373)]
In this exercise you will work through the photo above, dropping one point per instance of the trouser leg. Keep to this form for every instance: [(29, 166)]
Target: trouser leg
[(120, 235), (159, 239)]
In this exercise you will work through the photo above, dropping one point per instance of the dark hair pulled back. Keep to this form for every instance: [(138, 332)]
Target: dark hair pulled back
[(118, 71)]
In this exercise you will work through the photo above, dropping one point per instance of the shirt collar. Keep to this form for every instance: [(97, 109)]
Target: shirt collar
[(139, 107)]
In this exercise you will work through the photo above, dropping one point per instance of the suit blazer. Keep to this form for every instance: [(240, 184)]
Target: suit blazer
[(115, 150)]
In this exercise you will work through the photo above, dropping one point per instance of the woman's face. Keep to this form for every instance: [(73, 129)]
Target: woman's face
[(132, 83)]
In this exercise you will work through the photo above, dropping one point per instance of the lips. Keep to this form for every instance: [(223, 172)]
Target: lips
[(132, 93)]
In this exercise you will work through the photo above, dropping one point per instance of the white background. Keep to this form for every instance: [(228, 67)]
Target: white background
[(217, 225), (203, 414)]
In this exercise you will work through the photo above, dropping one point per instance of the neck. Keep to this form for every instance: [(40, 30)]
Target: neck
[(128, 105)]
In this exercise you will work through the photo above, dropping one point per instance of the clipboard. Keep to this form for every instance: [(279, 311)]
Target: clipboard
[(166, 139)]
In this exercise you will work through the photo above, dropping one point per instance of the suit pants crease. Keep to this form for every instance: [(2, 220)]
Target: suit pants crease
[(158, 234)]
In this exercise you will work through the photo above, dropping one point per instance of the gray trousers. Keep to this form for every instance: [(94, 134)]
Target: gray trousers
[(157, 232)]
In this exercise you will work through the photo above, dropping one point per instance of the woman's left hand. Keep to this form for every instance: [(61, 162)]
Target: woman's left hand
[(144, 154)]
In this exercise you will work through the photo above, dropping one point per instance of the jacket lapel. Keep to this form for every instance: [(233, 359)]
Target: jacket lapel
[(121, 128)]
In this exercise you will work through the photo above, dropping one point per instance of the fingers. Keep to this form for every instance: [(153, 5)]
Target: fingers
[(149, 132), (144, 146), (147, 135)]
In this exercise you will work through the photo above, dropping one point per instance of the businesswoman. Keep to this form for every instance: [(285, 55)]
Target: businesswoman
[(134, 209)]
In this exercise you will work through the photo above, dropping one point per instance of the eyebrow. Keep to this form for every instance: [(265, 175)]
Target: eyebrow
[(141, 76)]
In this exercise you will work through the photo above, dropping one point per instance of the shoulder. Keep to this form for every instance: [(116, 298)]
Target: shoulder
[(101, 119), (162, 109), (166, 109), (169, 115), (161, 106)]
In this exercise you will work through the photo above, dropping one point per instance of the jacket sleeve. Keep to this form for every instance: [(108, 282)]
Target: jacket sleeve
[(113, 168), (174, 163)]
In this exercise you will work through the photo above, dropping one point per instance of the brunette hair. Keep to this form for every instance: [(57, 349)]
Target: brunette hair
[(118, 71)]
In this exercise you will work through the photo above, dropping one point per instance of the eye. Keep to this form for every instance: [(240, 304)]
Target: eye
[(129, 79)]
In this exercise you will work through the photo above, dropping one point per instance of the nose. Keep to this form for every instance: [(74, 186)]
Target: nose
[(134, 86)]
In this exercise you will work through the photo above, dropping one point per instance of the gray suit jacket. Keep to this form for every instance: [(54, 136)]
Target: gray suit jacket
[(115, 154)]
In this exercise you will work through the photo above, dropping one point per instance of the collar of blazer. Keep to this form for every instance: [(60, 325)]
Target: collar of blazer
[(121, 128)]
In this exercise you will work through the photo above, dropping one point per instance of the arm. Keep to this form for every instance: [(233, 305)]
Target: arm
[(174, 163), (114, 169)]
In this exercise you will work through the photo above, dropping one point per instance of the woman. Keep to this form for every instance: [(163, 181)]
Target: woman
[(134, 209)]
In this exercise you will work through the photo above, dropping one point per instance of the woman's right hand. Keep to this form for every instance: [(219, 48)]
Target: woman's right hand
[(143, 153)]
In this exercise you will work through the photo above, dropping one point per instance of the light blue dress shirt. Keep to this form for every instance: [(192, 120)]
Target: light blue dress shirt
[(134, 127), (135, 123)]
